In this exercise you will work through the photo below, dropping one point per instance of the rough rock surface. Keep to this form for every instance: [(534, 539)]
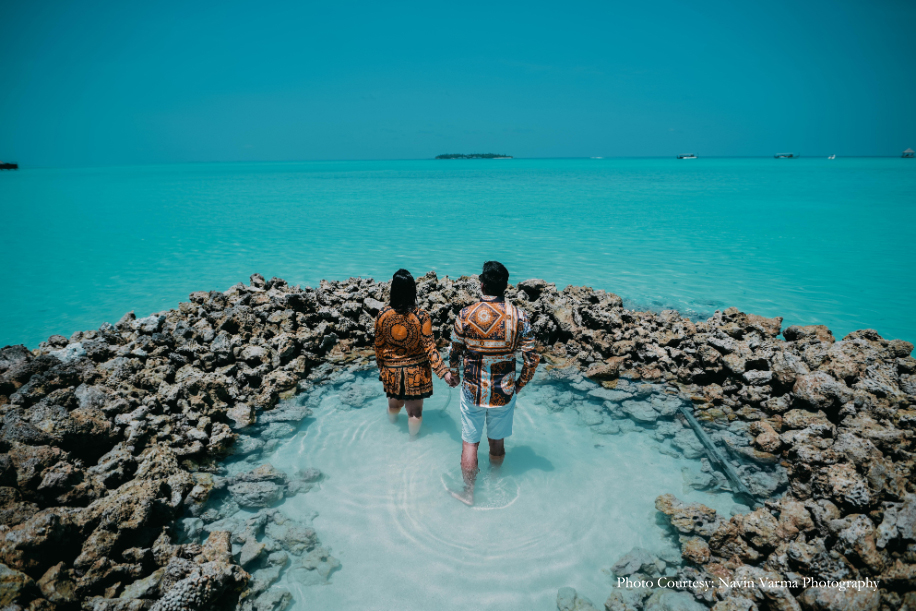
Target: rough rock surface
[(569, 600), (110, 436)]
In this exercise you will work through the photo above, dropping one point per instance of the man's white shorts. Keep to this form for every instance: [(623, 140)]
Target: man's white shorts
[(497, 419)]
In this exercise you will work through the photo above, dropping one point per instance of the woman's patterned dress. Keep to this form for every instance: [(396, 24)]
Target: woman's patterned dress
[(406, 353)]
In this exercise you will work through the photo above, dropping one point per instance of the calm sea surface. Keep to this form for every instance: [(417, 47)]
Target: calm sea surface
[(812, 240)]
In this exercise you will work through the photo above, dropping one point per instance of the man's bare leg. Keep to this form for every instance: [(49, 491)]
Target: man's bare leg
[(394, 408), (468, 472), (414, 417), (497, 454)]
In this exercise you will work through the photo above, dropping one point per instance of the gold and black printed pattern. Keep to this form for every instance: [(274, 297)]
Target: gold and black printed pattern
[(406, 353)]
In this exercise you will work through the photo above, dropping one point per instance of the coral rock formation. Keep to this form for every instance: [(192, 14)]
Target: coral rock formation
[(110, 436)]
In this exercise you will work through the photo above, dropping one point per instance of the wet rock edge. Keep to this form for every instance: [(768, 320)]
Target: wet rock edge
[(109, 436)]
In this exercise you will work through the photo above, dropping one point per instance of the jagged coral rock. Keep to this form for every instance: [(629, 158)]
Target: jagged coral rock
[(202, 587), (793, 518), (821, 391), (696, 550), (15, 586), (844, 485), (759, 528), (735, 603), (58, 585), (147, 400), (766, 587), (34, 545), (833, 599), (569, 600), (856, 539), (809, 333), (688, 518), (899, 522), (900, 575)]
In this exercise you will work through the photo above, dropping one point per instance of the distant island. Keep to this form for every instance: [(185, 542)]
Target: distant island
[(474, 156), (8, 166)]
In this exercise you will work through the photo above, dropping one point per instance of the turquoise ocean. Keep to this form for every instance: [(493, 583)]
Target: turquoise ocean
[(812, 240)]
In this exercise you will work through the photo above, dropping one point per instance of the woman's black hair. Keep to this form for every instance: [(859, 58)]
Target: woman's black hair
[(403, 292), (495, 278)]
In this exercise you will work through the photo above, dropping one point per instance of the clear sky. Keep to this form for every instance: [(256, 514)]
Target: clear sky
[(111, 83)]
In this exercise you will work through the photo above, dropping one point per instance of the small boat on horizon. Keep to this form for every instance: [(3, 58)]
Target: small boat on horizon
[(832, 157), (8, 166), (687, 156), (785, 156), (909, 154)]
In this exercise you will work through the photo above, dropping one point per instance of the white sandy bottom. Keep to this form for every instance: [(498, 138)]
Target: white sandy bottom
[(565, 506)]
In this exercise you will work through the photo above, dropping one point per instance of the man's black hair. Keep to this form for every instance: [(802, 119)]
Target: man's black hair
[(403, 296), (495, 278)]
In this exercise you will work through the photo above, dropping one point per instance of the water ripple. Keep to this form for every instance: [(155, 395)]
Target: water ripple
[(564, 506)]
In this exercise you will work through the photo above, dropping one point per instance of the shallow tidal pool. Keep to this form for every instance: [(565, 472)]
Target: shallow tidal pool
[(576, 492)]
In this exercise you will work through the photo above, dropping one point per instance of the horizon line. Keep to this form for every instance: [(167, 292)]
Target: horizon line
[(260, 161)]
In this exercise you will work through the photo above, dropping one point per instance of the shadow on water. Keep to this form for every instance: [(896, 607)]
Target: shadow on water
[(521, 459), (435, 422)]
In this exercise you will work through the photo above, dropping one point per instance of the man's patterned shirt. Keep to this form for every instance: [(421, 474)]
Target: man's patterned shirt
[(488, 336)]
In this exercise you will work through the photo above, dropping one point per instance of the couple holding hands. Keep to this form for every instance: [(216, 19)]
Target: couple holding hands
[(487, 337)]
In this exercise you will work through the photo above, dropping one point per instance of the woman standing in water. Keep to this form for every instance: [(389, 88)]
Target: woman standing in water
[(405, 352)]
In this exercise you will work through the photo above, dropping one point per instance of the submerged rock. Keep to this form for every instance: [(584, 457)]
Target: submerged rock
[(689, 443), (607, 394), (672, 600), (638, 560), (698, 481), (250, 551), (606, 428), (261, 487), (289, 413), (641, 411), (248, 445), (569, 600), (627, 599), (274, 599), (316, 567), (292, 536), (590, 415)]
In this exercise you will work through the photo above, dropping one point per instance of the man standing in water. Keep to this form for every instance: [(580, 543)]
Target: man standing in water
[(488, 336)]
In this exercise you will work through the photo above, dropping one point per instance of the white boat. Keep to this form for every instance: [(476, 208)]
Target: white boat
[(688, 156), (785, 156), (832, 157)]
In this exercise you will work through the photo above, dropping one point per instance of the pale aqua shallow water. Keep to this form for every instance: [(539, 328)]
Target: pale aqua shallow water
[(569, 501), (813, 240)]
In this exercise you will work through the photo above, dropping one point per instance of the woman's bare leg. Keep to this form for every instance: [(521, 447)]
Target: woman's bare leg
[(394, 408), (414, 417)]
